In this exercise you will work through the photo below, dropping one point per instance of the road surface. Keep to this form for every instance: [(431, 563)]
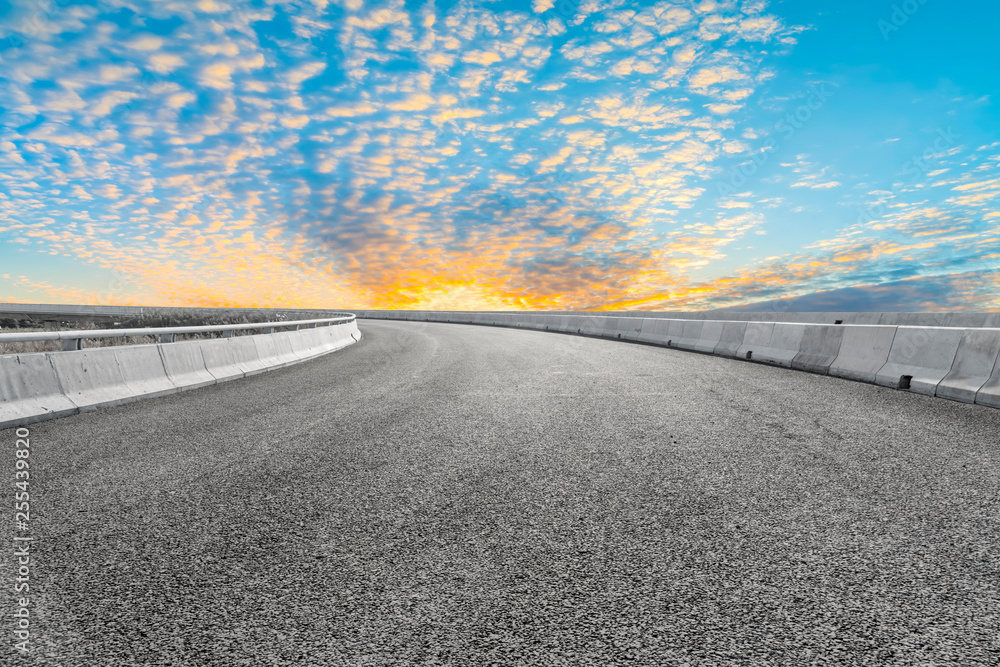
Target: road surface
[(455, 495)]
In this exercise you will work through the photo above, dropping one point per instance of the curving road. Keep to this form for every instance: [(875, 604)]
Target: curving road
[(451, 495)]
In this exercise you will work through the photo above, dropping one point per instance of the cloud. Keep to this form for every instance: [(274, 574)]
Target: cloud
[(297, 75), (362, 109), (723, 109), (481, 57), (418, 102), (707, 77), (145, 42), (164, 63), (452, 114), (758, 28), (455, 153), (217, 75), (811, 183), (179, 100)]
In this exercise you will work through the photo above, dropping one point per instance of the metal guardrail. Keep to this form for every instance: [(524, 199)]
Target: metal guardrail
[(77, 312), (73, 340)]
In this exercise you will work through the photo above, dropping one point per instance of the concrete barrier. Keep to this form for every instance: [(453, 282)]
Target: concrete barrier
[(778, 344), (311, 343), (30, 391), (730, 339), (956, 320), (267, 350), (287, 346), (185, 364), (951, 355), (755, 338), (341, 337), (920, 356), (593, 325), (646, 326), (35, 387), (633, 327), (245, 355), (303, 341), (142, 369), (609, 327), (690, 334), (818, 348), (711, 334), (989, 394), (974, 362), (653, 331), (91, 378), (616, 327), (864, 350), (220, 359)]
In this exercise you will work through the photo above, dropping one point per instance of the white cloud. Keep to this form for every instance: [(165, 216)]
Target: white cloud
[(145, 42), (297, 75), (481, 57), (181, 99), (164, 63), (217, 75)]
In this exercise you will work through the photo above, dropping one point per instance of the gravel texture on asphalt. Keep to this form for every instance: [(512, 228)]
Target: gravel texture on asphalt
[(457, 495)]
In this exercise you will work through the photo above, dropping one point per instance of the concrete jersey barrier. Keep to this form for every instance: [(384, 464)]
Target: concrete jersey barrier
[(775, 343), (30, 390), (142, 369), (711, 335), (920, 358), (864, 349), (730, 339), (989, 394), (959, 360), (91, 378), (48, 385), (956, 320), (220, 359), (974, 363), (819, 348)]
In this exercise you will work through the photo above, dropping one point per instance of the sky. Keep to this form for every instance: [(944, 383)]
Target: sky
[(495, 155)]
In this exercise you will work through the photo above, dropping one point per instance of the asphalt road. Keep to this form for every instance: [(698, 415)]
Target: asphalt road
[(453, 495)]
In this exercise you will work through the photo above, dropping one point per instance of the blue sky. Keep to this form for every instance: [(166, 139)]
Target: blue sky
[(493, 155)]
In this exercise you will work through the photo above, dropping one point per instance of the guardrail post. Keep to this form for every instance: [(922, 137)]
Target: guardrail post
[(72, 344), (295, 328), (267, 330), (166, 338), (229, 334)]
